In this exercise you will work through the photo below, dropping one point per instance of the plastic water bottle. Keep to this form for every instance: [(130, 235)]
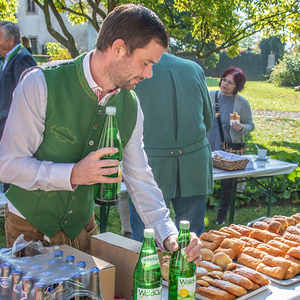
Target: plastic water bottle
[(39, 290), (109, 193), (147, 279), (27, 286), (94, 284), (5, 281), (16, 284), (182, 278)]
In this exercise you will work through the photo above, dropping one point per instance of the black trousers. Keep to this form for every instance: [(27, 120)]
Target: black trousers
[(225, 199)]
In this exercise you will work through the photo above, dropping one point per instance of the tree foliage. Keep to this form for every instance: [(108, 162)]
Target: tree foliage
[(201, 28), (8, 9)]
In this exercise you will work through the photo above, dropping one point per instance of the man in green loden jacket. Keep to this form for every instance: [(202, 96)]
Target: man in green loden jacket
[(178, 112)]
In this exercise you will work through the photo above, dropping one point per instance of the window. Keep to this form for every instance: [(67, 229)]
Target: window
[(33, 41), (31, 8)]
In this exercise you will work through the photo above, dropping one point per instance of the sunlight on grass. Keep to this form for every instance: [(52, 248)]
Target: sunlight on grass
[(265, 96)]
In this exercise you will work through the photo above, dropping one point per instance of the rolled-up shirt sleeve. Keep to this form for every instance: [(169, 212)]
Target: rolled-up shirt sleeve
[(23, 134), (142, 188)]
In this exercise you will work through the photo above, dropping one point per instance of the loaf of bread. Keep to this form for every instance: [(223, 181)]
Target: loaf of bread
[(295, 252), (260, 225), (253, 275), (248, 261), (230, 246), (207, 254), (238, 279), (262, 235), (270, 250), (291, 237), (252, 241), (243, 230), (210, 240), (214, 293), (279, 245), (286, 242), (275, 267), (293, 230), (221, 259), (232, 232), (275, 227)]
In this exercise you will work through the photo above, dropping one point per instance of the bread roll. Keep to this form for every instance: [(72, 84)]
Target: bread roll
[(270, 250), (290, 221), (207, 254), (221, 259), (256, 253), (268, 220), (230, 246), (232, 266), (248, 261), (275, 227), (291, 237), (202, 282), (296, 218), (232, 232), (210, 241), (214, 293), (295, 252), (242, 230), (252, 241), (283, 222), (293, 230), (292, 259), (275, 267), (223, 234), (253, 275), (281, 246), (209, 266), (238, 279), (260, 225), (262, 235), (287, 242), (200, 271), (292, 271)]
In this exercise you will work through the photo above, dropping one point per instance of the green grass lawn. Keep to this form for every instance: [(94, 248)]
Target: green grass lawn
[(274, 134)]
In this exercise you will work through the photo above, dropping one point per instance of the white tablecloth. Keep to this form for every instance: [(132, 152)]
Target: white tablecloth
[(255, 168)]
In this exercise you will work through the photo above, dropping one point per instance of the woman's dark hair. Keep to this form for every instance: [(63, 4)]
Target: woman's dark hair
[(239, 78), (135, 24)]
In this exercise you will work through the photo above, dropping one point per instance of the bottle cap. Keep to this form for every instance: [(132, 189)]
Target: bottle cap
[(110, 110), (40, 284), (184, 225), (148, 233)]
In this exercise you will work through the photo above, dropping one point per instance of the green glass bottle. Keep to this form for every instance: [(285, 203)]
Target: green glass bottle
[(147, 279), (108, 194), (182, 277)]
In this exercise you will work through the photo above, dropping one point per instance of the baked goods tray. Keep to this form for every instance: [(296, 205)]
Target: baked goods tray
[(248, 295), (281, 282)]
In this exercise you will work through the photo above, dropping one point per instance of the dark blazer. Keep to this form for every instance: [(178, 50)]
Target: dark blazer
[(9, 79)]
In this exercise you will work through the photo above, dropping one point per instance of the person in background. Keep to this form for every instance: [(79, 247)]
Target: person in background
[(178, 112), (49, 147), (26, 43), (16, 60), (232, 81)]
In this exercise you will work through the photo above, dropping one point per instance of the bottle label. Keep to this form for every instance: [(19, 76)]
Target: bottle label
[(149, 294), (4, 282), (150, 262), (186, 288)]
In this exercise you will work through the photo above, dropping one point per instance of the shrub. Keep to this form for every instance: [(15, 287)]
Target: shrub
[(56, 52), (287, 72)]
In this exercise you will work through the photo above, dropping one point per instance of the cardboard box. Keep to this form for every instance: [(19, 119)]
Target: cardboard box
[(107, 270), (121, 252)]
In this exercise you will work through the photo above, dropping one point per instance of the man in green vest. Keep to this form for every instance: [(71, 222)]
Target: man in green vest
[(175, 139), (49, 148)]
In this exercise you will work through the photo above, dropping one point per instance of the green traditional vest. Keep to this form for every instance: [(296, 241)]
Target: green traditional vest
[(73, 126)]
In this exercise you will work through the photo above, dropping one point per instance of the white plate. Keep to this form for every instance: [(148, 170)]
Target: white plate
[(248, 295), (262, 159)]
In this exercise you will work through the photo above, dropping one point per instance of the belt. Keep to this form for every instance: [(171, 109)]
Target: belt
[(151, 152)]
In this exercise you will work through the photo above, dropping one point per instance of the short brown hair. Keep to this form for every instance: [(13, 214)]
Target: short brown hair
[(135, 24)]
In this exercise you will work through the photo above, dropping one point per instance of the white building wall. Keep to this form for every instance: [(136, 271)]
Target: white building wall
[(34, 25)]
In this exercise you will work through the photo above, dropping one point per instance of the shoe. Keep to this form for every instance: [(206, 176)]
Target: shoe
[(220, 222)]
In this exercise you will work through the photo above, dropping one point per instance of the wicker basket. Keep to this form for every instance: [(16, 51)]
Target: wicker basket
[(229, 165)]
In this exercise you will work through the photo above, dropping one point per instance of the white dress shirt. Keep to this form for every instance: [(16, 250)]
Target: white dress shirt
[(23, 134)]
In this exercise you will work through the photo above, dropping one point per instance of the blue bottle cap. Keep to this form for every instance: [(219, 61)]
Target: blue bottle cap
[(70, 258), (60, 279), (58, 253), (76, 274), (52, 261), (25, 260), (36, 267), (63, 268), (27, 277), (81, 264), (47, 273), (40, 284), (6, 265), (16, 271), (94, 269)]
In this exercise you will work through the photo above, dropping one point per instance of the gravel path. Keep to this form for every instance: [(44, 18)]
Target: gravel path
[(276, 114)]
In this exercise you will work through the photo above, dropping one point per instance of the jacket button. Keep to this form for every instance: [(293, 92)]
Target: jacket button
[(180, 151), (172, 152), (70, 211), (65, 221), (95, 126), (73, 197), (99, 112), (91, 143)]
